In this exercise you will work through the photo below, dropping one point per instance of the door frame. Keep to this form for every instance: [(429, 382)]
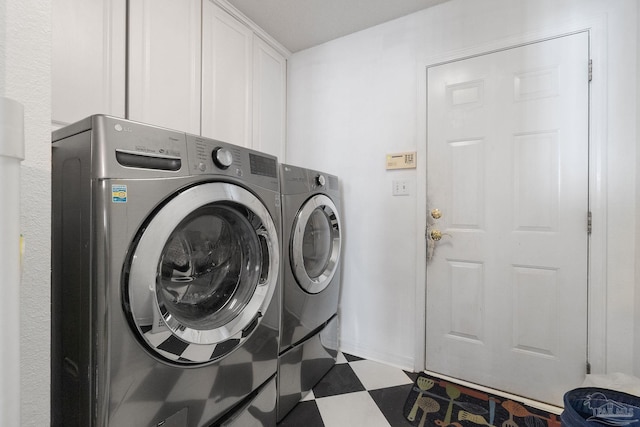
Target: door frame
[(597, 243)]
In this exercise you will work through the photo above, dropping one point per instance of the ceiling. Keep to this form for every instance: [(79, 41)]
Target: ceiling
[(300, 24)]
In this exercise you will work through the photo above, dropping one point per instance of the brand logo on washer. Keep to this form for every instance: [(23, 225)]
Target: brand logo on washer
[(121, 128)]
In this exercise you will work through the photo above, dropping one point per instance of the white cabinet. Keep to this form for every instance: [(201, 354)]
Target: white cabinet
[(243, 83), (269, 99), (164, 63), (88, 61), (227, 55), (198, 66)]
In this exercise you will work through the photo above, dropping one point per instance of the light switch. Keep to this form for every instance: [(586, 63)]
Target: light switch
[(400, 188)]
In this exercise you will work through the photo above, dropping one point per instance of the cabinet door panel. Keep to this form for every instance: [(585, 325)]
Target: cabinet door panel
[(88, 59), (226, 77), (269, 99), (164, 63)]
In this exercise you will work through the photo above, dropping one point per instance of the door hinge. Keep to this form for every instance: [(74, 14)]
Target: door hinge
[(589, 222), (590, 69), (588, 368)]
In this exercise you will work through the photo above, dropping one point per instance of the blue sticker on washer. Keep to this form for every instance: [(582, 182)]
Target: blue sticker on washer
[(118, 193)]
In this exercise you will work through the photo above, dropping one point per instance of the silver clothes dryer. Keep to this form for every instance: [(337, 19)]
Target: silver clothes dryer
[(165, 279), (312, 240)]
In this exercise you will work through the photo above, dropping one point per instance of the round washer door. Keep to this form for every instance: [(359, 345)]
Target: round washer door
[(203, 271), (316, 243)]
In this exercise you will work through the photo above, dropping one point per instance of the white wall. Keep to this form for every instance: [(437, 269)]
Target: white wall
[(355, 99), (25, 76), (351, 102)]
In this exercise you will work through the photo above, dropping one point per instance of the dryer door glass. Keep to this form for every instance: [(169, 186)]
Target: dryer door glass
[(202, 271), (316, 243)]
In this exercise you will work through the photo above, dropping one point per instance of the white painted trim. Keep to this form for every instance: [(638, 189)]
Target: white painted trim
[(233, 11), (598, 172), (369, 353), (421, 225), (597, 306), (114, 48)]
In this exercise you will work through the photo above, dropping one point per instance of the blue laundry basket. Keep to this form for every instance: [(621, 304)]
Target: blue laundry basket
[(593, 407)]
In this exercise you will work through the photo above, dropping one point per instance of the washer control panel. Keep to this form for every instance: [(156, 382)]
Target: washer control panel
[(210, 156), (222, 157)]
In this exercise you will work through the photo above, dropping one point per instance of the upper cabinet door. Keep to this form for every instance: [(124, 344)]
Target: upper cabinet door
[(226, 77), (88, 59), (269, 99), (164, 63)]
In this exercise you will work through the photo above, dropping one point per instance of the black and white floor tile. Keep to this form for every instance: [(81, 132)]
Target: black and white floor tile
[(355, 393)]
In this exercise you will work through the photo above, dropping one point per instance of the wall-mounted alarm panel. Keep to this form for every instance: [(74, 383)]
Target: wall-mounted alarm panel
[(401, 160)]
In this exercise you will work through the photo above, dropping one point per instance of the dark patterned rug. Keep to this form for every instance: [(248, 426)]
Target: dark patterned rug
[(435, 402)]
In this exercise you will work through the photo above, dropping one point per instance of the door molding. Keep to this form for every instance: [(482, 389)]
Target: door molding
[(597, 246)]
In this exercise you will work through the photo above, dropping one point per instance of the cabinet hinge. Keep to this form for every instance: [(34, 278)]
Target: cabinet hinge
[(590, 69), (589, 222)]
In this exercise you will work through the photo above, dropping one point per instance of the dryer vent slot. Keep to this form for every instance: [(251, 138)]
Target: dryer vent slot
[(144, 161)]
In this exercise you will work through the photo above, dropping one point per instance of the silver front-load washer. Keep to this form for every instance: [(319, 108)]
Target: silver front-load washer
[(312, 242), (165, 281)]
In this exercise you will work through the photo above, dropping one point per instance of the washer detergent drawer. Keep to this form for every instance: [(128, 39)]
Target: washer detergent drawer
[(303, 366)]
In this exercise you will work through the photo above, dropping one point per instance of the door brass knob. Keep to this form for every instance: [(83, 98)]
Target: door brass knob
[(436, 235), (436, 214)]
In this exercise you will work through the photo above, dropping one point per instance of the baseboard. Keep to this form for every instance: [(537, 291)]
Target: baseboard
[(396, 360)]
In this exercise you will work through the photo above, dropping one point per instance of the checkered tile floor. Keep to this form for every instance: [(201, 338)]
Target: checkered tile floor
[(355, 393)]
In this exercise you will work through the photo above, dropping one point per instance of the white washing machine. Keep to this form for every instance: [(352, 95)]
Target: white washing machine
[(312, 240), (165, 281)]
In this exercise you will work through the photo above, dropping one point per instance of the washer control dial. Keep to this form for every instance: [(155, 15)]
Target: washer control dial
[(320, 180), (222, 157)]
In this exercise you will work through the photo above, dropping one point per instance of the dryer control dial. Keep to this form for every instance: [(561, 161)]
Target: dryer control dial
[(320, 180), (222, 157)]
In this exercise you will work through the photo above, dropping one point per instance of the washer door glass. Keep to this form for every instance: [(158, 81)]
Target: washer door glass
[(315, 246), (209, 268), (203, 271)]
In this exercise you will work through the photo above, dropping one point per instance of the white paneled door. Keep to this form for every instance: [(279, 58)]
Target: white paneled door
[(508, 172)]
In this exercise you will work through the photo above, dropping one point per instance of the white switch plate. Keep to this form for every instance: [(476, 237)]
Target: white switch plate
[(400, 188)]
